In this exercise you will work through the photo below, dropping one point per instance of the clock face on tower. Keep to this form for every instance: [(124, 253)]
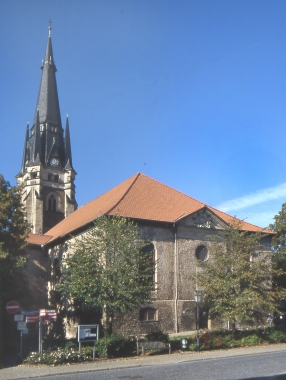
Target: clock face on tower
[(54, 162)]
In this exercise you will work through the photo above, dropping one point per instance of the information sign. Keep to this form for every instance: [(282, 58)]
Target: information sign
[(18, 317), (21, 325), (88, 333)]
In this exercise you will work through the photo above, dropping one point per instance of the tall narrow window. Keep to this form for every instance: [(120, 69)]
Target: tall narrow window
[(57, 271), (149, 249), (52, 204)]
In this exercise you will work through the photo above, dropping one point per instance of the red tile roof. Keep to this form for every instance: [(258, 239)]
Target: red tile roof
[(139, 197), (38, 239)]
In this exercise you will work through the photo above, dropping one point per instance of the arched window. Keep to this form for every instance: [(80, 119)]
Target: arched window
[(52, 203), (201, 253), (148, 314), (57, 271), (150, 250)]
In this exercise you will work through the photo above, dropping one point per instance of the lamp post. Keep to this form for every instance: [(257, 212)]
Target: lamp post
[(198, 298)]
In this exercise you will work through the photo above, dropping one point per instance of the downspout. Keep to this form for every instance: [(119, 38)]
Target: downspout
[(175, 279)]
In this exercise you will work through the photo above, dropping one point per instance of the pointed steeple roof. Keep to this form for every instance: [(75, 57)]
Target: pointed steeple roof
[(25, 152), (68, 155), (48, 102), (37, 141)]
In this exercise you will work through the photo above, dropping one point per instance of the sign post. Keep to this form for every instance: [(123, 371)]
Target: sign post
[(40, 336), (87, 333)]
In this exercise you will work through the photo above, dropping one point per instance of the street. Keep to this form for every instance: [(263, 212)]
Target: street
[(243, 367)]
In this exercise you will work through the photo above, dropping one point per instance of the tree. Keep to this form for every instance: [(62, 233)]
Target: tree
[(241, 273), (279, 246), (108, 268), (14, 230)]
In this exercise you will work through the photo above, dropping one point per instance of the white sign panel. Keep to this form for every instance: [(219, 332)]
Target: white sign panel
[(21, 325), (87, 333), (18, 318)]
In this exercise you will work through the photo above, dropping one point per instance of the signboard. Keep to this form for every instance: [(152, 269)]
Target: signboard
[(21, 325), (32, 319), (12, 307), (25, 331), (48, 315), (88, 333), (30, 312), (19, 318)]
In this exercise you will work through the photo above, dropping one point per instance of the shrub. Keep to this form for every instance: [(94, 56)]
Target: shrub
[(59, 356), (276, 335), (157, 336), (250, 340), (114, 345)]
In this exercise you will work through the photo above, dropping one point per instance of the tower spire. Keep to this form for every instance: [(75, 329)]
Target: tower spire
[(68, 155), (25, 151), (46, 174), (48, 101)]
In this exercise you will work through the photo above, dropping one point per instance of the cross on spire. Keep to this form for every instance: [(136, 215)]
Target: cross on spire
[(50, 26)]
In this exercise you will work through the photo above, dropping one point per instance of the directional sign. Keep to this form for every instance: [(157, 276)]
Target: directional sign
[(31, 312), (19, 318), (48, 315), (12, 307), (21, 325), (32, 319)]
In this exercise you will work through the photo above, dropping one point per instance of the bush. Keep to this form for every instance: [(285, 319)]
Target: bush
[(114, 345), (157, 336), (250, 340), (276, 336), (59, 356)]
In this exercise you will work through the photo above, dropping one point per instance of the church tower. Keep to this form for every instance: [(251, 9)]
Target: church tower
[(47, 174)]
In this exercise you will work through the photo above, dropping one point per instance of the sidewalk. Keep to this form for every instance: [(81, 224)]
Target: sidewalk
[(25, 372)]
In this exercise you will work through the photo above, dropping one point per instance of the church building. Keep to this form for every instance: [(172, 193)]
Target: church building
[(179, 227)]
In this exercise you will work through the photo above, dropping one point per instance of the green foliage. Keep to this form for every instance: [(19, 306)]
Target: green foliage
[(241, 271), (114, 345), (59, 356), (276, 335), (108, 268), (157, 336), (14, 230), (214, 340), (279, 247)]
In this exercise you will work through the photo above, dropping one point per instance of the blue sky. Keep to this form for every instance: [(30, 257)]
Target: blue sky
[(191, 93)]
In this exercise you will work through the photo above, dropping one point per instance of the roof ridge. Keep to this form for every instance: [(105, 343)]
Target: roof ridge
[(126, 192), (177, 191)]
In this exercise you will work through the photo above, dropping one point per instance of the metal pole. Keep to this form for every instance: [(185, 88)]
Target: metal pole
[(21, 345), (40, 336), (198, 327)]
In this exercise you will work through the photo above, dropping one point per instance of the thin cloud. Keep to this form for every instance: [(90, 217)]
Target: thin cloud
[(261, 196)]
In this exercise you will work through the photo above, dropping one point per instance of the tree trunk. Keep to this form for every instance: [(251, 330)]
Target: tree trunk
[(233, 330), (106, 321)]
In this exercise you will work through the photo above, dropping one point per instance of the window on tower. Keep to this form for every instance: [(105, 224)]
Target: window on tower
[(52, 204)]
